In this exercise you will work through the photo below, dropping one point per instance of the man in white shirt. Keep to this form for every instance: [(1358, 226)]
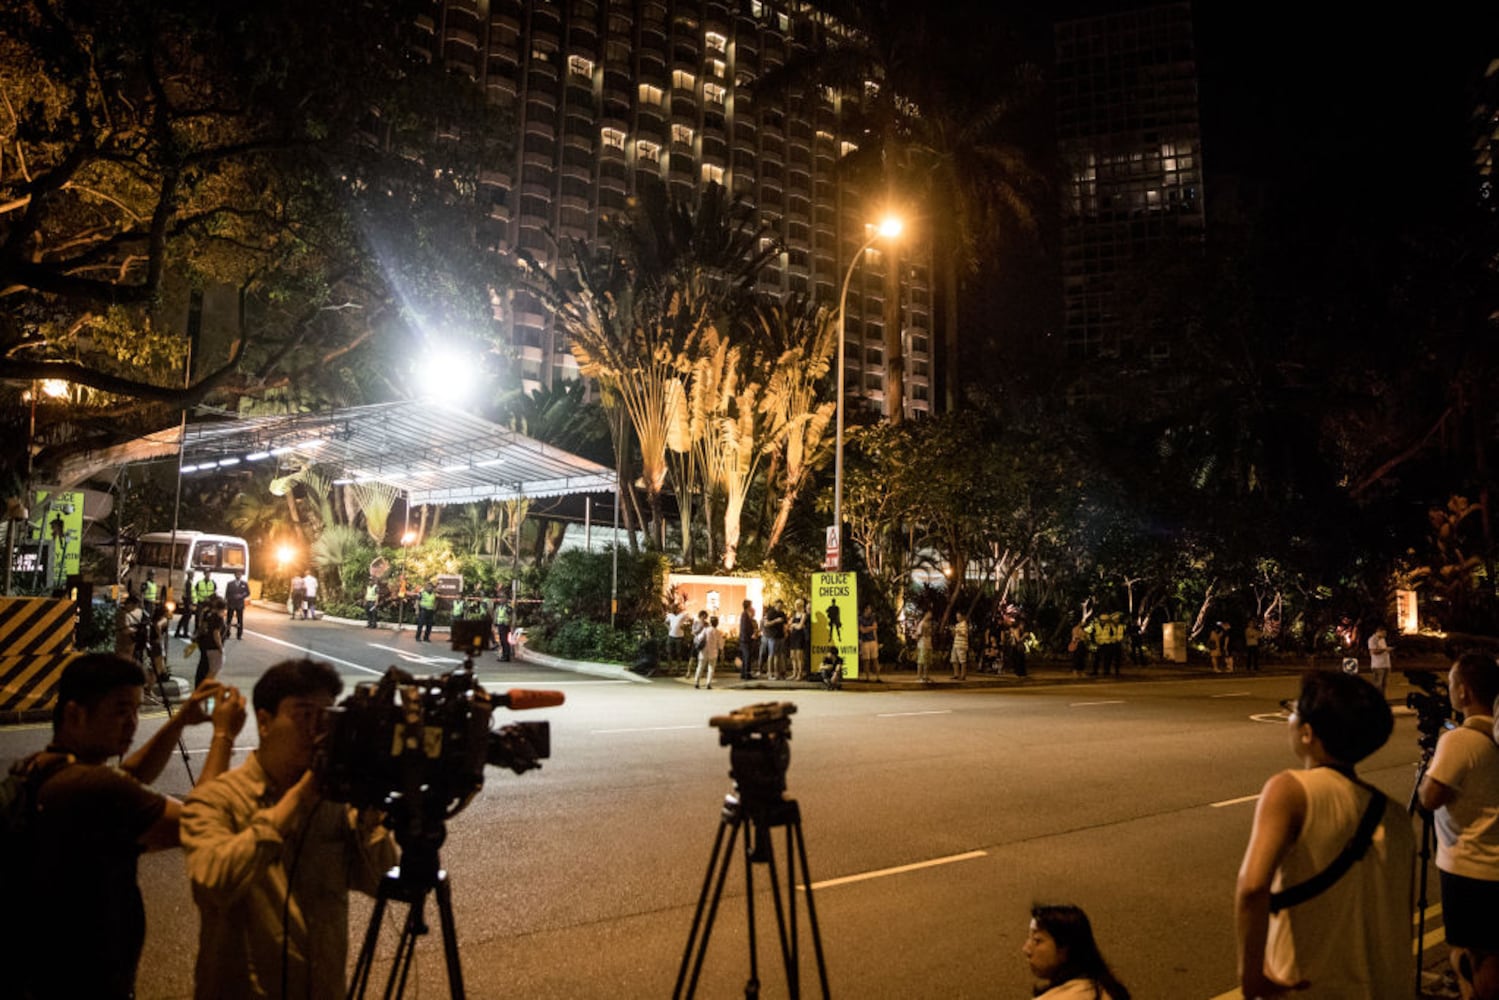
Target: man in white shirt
[(309, 591), (1461, 788), (1379, 658)]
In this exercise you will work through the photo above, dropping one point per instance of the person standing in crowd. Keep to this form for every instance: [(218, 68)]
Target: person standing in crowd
[(210, 639), (309, 596), (924, 648), (236, 593), (1252, 636), (154, 640), (748, 639), (371, 603), (80, 931), (204, 589), (1018, 638), (959, 653), (1216, 641), (1064, 958), (150, 594), (678, 621), (426, 612), (1077, 648), (798, 639), (298, 595), (1354, 938), (271, 861), (698, 624), (710, 645), (773, 641), (502, 628), (1379, 658), (1461, 788), (869, 644), (128, 618), (185, 609)]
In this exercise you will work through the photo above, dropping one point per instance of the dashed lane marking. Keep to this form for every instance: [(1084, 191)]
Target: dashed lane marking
[(898, 870), (317, 653), (648, 729), (1084, 704), (1232, 802), (897, 715), (1231, 694)]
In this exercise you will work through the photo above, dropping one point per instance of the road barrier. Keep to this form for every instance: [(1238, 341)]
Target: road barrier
[(36, 640)]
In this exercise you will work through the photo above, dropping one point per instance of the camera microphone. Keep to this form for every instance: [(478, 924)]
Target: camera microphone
[(520, 699)]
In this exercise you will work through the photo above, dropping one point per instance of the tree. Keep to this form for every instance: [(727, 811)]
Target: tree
[(152, 150)]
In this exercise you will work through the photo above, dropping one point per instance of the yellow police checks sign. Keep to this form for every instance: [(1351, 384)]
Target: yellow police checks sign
[(835, 619)]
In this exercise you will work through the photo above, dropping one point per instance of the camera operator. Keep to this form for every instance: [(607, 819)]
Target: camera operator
[(271, 862), (81, 928), (1461, 788)]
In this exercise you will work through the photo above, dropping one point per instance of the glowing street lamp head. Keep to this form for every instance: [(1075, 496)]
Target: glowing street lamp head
[(285, 554), (891, 226), (446, 374), (408, 538), (54, 387)]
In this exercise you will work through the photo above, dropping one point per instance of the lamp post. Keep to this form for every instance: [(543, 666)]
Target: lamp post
[(889, 228)]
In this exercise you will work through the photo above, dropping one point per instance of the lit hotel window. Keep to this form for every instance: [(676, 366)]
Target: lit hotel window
[(650, 94), (715, 42), (683, 80), (648, 151), (713, 93), (613, 138), (847, 147), (682, 134), (717, 68), (579, 66), (712, 174)]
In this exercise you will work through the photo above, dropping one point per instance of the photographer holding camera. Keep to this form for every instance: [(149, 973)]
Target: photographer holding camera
[(271, 862), (1461, 789)]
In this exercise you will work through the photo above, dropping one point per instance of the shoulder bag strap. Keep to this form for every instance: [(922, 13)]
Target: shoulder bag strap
[(1356, 848)]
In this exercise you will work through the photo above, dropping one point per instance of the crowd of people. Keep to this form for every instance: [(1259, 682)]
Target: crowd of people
[(1322, 905)]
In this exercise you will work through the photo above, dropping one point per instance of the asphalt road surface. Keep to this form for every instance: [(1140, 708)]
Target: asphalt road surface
[(933, 820)]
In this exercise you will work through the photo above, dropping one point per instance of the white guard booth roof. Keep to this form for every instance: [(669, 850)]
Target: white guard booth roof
[(433, 454)]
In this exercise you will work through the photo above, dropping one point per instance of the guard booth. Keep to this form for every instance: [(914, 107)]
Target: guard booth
[(36, 641)]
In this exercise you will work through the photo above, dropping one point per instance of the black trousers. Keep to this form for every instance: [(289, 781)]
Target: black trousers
[(234, 618)]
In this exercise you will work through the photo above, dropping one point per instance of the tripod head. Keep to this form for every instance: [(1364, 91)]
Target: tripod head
[(759, 742)]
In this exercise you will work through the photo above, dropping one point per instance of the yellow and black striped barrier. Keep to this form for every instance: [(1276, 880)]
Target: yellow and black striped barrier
[(36, 640)]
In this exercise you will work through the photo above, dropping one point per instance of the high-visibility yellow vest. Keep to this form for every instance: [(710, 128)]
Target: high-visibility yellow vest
[(428, 600), (148, 591), (202, 590)]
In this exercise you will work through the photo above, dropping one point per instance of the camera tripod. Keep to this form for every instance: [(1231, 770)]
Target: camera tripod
[(417, 874), (755, 820), (1428, 841)]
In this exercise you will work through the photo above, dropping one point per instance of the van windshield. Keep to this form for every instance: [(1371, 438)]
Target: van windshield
[(160, 554)]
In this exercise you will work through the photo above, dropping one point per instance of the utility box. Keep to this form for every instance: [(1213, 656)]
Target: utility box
[(1174, 642)]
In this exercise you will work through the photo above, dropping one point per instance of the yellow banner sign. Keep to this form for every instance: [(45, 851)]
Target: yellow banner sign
[(835, 620)]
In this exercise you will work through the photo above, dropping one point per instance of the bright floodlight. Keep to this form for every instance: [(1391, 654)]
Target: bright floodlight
[(408, 538), (55, 387), (891, 226), (446, 374), (285, 554)]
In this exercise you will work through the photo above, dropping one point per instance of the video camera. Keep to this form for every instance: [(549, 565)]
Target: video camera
[(1432, 705), (416, 747), (758, 738)]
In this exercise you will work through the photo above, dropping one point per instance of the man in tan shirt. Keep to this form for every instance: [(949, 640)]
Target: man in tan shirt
[(271, 862)]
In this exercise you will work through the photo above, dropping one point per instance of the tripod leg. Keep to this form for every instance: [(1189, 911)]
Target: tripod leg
[(366, 962), (718, 862), (801, 850), (752, 834), (449, 936), (788, 944), (395, 986)]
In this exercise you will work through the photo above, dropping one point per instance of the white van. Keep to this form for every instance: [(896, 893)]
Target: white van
[(217, 555)]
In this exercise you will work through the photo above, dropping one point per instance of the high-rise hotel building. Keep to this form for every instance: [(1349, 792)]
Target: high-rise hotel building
[(1131, 156), (607, 94)]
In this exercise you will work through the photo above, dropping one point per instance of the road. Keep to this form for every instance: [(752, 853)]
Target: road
[(933, 820)]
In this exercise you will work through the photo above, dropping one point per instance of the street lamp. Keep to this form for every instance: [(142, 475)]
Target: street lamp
[(889, 228)]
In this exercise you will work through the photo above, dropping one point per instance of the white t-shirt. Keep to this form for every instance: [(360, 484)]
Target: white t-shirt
[(1354, 939), (674, 624), (309, 585), (1467, 761), (1379, 652)]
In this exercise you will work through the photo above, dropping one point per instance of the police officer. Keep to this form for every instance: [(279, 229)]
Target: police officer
[(502, 628), (426, 612), (371, 602), (149, 594), (202, 591), (185, 609)]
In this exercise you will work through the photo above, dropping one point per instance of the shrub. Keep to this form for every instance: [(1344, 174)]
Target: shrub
[(577, 586), (578, 639)]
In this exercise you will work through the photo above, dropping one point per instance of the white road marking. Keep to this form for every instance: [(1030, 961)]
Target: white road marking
[(647, 729), (899, 870), (412, 656), (317, 654), (1277, 718), (1232, 802), (897, 715), (1084, 704), (1232, 694)]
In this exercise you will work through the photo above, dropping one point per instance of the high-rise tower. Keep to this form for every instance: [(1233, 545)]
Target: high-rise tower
[(1131, 155), (608, 93)]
